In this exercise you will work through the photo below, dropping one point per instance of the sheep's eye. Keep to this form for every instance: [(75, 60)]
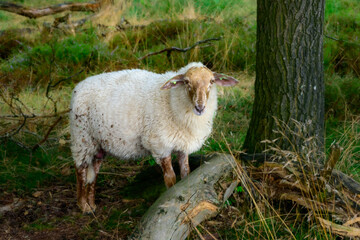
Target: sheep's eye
[(212, 81), (186, 81)]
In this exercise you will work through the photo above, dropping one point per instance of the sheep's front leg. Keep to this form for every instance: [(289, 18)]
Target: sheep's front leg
[(183, 159), (168, 171)]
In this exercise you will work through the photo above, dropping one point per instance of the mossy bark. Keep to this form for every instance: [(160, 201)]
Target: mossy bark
[(289, 76)]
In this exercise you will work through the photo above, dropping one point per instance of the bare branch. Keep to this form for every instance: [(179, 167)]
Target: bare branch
[(15, 131), (16, 117), (341, 40), (52, 62), (36, 146), (171, 49)]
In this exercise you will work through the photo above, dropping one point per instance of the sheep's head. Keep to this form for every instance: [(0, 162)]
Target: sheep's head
[(198, 82)]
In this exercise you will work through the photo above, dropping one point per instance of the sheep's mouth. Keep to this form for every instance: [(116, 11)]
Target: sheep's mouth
[(199, 111)]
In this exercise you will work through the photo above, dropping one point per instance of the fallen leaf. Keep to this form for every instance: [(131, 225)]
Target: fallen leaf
[(62, 142), (66, 171), (37, 194)]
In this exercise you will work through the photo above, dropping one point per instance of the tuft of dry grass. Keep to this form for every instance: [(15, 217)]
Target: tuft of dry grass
[(288, 198), (349, 139), (112, 15)]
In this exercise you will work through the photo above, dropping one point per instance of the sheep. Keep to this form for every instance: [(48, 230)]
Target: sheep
[(135, 113)]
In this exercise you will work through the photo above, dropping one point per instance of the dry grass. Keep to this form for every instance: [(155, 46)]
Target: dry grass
[(349, 138), (112, 15), (267, 208)]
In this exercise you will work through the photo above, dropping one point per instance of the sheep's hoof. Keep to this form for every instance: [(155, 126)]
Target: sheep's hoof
[(89, 213), (87, 209)]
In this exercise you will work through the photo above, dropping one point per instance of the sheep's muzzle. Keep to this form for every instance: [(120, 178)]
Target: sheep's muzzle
[(199, 109)]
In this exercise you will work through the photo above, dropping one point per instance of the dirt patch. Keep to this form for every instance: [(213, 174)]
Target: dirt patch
[(51, 212)]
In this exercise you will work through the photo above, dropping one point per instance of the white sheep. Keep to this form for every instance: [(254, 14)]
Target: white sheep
[(135, 113)]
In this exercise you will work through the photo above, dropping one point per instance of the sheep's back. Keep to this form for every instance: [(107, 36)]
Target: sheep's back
[(110, 109)]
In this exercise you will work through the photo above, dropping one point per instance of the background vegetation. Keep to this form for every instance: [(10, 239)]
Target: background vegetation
[(40, 67)]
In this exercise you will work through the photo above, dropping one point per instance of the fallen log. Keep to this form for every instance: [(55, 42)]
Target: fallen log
[(189, 202), (50, 10), (339, 229)]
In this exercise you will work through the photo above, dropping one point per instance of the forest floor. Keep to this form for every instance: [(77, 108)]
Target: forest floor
[(51, 212)]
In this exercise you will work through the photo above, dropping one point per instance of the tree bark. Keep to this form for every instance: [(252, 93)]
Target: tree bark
[(50, 10), (289, 86), (190, 201)]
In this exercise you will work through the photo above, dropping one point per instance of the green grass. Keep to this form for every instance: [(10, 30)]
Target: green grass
[(39, 225), (342, 96), (24, 172), (342, 23)]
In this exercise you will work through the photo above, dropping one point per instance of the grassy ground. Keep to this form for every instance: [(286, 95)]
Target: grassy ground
[(43, 179)]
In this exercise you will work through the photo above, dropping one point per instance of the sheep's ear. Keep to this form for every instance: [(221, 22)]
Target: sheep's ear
[(224, 80), (174, 82)]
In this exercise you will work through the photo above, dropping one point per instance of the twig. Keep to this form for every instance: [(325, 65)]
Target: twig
[(67, 78), (50, 85), (15, 117), (341, 40), (50, 78), (20, 144), (171, 49), (36, 146), (14, 132)]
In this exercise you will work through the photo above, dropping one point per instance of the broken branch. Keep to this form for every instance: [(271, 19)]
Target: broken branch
[(171, 49), (331, 161)]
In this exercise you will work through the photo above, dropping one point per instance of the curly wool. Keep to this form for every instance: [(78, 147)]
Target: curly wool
[(127, 115)]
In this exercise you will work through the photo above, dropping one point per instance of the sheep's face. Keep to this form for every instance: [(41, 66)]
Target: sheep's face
[(198, 82)]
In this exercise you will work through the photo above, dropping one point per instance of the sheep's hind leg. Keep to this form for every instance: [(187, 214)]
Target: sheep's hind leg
[(168, 171), (81, 187), (183, 159), (91, 186), (86, 175)]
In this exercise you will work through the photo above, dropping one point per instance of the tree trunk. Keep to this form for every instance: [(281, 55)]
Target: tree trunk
[(289, 86)]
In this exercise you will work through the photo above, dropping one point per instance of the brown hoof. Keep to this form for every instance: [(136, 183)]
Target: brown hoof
[(87, 209), (170, 180)]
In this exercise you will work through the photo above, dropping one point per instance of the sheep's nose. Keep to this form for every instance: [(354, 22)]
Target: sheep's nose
[(199, 109)]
